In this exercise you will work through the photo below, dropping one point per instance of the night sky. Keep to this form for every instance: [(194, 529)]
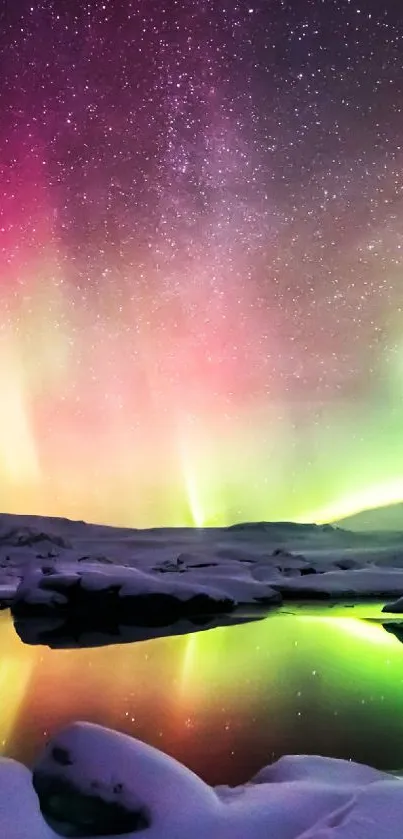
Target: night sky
[(201, 259)]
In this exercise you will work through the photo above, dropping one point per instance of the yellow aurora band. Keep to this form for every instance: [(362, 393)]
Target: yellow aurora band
[(17, 665)]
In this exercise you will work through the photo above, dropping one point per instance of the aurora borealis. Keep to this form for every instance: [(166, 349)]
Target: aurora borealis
[(201, 259), (226, 701)]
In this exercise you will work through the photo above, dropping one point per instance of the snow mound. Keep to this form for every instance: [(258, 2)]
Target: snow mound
[(91, 772), (93, 782)]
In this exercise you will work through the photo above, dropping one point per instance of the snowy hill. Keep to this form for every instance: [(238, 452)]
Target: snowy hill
[(388, 518)]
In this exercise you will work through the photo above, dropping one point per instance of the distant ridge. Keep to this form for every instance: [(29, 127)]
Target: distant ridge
[(388, 518), (283, 525), (381, 519)]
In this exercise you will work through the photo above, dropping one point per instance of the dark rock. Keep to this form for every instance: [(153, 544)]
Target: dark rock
[(348, 564), (61, 756), (73, 813), (395, 628), (70, 599), (98, 631), (172, 565), (204, 565), (19, 537), (102, 560), (396, 607)]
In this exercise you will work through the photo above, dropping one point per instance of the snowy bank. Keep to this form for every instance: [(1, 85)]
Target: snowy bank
[(91, 782), (64, 569)]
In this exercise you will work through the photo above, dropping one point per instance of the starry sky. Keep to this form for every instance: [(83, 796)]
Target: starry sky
[(201, 259)]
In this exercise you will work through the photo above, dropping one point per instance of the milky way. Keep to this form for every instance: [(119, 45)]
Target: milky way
[(201, 259)]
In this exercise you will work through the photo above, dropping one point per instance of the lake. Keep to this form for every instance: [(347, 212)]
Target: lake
[(226, 701)]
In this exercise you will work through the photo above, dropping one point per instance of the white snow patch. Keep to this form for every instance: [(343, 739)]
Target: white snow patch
[(299, 797), (20, 816), (242, 563)]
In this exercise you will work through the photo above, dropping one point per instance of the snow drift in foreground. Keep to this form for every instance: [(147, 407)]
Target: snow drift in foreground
[(91, 782), (59, 568)]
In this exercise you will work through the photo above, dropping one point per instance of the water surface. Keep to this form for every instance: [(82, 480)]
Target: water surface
[(226, 701)]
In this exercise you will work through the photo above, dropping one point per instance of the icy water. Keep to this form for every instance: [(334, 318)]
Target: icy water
[(226, 701)]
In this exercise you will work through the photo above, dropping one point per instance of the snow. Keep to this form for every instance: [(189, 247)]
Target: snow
[(20, 816), (59, 567), (373, 813), (372, 581), (87, 772)]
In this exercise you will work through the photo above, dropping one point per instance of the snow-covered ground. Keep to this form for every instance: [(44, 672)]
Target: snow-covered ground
[(154, 577), (91, 781)]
